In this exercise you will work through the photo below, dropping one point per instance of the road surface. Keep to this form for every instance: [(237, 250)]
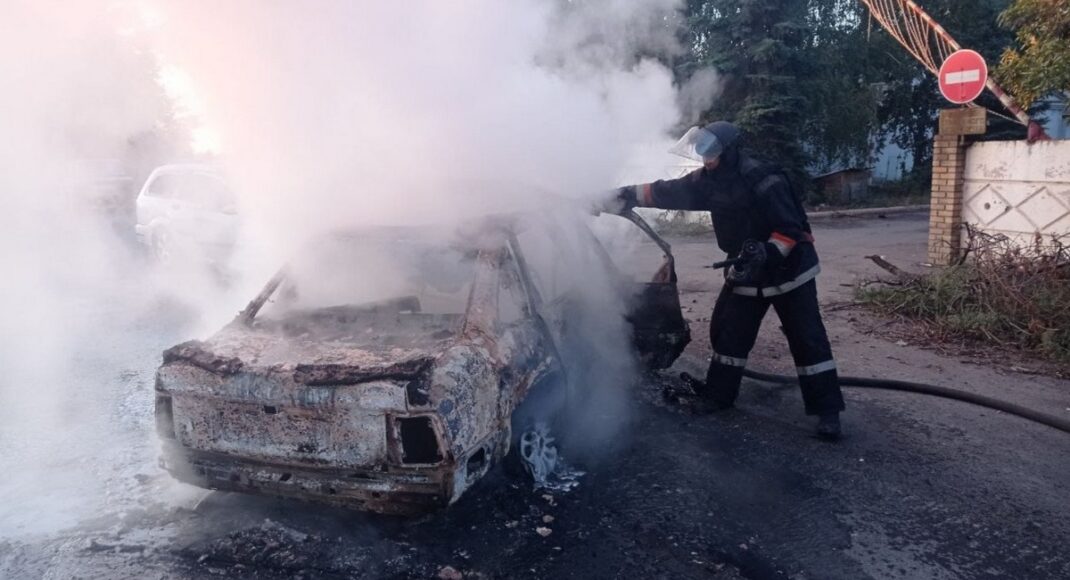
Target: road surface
[(920, 488)]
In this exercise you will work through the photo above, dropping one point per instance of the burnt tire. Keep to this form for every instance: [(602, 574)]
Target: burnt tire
[(544, 404)]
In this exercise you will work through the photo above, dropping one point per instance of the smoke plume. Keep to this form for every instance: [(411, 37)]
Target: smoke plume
[(325, 115), (372, 112)]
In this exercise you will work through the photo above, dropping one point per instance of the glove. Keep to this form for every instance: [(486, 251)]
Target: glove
[(621, 201)]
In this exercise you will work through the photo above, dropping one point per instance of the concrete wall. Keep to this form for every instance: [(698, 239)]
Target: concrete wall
[(1017, 189)]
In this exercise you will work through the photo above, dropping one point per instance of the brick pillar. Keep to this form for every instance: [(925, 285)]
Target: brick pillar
[(945, 217)]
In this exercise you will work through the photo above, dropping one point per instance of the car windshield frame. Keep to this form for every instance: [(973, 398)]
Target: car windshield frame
[(387, 234)]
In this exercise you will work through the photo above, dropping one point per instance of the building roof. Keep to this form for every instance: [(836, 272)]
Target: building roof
[(844, 170)]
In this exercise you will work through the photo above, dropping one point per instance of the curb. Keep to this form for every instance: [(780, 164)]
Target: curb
[(703, 229), (867, 211)]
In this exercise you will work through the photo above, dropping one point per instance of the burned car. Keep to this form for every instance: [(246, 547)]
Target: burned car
[(383, 372)]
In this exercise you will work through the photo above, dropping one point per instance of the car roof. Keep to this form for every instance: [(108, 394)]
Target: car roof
[(478, 234), (185, 168)]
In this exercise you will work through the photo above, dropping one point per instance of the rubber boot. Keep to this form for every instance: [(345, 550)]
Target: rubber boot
[(702, 403), (828, 427)]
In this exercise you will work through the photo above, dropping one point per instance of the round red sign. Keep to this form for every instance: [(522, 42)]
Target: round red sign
[(963, 76)]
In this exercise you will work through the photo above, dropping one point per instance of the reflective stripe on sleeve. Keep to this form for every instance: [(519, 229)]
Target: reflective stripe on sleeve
[(821, 367), (644, 194), (783, 243), (730, 361)]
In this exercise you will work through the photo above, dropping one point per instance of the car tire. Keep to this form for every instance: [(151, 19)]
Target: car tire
[(534, 441), (546, 394), (161, 245)]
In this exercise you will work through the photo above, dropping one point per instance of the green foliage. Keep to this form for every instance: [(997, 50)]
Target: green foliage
[(1040, 64), (813, 81), (841, 110), (757, 45), (1006, 294)]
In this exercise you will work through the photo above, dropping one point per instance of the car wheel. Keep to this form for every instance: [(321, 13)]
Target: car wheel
[(161, 245), (530, 430), (538, 453)]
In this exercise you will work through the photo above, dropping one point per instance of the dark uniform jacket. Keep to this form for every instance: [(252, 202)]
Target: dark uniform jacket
[(747, 200)]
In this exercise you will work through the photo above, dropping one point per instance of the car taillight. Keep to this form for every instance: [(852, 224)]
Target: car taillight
[(165, 417), (419, 443)]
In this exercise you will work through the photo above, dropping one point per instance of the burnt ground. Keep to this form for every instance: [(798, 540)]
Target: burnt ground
[(920, 488)]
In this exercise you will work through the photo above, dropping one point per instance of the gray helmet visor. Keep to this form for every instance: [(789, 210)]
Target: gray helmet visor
[(698, 144)]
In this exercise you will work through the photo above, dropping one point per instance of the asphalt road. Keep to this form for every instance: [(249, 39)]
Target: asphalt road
[(920, 488)]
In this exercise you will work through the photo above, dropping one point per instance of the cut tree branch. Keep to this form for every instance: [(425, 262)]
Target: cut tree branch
[(901, 275)]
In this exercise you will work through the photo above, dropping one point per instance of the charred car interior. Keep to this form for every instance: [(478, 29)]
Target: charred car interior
[(380, 370)]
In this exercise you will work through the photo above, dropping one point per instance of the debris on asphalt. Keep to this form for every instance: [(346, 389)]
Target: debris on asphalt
[(449, 573)]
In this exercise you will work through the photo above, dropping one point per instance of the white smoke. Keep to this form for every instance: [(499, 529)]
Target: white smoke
[(373, 112), (329, 114), (698, 93)]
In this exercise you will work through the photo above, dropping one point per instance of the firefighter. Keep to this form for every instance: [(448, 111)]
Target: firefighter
[(757, 217)]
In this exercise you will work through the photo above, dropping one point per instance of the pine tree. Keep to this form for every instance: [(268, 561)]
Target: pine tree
[(756, 45)]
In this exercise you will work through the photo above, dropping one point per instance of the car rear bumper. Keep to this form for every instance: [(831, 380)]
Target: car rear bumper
[(395, 491)]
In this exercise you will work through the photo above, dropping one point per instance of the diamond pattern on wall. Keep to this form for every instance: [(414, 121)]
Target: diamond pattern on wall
[(1018, 189), (1059, 226), (1042, 208), (1019, 207), (986, 205)]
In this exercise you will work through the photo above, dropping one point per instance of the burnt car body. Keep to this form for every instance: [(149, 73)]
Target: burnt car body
[(388, 405)]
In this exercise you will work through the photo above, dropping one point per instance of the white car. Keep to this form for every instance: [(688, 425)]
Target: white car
[(187, 212)]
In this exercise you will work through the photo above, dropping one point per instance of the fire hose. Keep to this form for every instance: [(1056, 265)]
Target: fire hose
[(909, 387), (933, 390), (745, 258)]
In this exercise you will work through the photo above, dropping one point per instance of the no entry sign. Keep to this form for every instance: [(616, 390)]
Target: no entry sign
[(963, 76)]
